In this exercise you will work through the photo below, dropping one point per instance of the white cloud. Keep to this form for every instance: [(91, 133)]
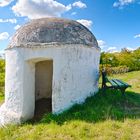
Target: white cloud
[(73, 13), (122, 3), (87, 23), (39, 8), (1, 51), (13, 20), (17, 27), (4, 36), (137, 36), (101, 43), (5, 2), (130, 49), (112, 49), (79, 4)]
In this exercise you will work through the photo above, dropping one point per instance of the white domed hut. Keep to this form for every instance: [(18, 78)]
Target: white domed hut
[(49, 59)]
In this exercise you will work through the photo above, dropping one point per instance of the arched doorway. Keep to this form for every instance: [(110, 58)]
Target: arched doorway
[(43, 87)]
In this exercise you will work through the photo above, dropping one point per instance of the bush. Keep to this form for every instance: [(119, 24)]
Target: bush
[(2, 77), (115, 70), (2, 66), (118, 70)]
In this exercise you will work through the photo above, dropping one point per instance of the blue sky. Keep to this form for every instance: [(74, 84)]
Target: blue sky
[(115, 23)]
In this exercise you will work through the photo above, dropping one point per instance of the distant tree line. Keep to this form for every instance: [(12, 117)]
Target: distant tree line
[(121, 62)]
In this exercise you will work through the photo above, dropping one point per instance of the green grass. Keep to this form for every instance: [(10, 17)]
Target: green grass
[(133, 78), (109, 116)]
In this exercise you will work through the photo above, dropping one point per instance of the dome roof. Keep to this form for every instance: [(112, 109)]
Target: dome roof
[(53, 30)]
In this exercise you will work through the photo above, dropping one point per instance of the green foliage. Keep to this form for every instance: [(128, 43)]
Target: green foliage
[(128, 59), (115, 70), (2, 65), (2, 78)]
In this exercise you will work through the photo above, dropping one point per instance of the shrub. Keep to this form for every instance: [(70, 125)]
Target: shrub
[(119, 70), (115, 70), (2, 77)]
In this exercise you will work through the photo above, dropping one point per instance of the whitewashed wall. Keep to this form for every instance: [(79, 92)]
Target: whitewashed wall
[(75, 77), (11, 110)]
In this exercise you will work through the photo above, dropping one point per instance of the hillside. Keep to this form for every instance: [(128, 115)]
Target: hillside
[(102, 117)]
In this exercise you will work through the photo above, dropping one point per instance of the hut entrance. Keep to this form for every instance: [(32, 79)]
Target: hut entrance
[(43, 87)]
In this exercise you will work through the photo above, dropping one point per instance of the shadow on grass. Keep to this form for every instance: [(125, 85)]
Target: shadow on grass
[(112, 105)]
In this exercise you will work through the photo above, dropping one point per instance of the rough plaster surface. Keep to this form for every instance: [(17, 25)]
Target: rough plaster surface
[(56, 30), (75, 77)]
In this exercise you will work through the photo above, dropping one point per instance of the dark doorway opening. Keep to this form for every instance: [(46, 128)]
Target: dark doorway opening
[(43, 88)]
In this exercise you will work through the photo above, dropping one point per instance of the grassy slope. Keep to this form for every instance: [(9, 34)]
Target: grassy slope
[(104, 116)]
